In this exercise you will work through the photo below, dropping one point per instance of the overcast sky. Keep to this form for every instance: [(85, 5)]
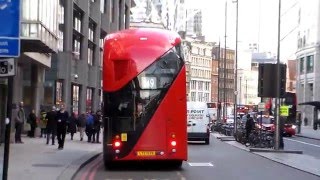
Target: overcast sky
[(258, 21)]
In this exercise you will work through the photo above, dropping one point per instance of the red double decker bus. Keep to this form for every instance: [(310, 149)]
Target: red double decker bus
[(144, 92)]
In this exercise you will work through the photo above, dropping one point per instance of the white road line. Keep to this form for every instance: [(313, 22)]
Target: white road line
[(318, 146), (181, 176)]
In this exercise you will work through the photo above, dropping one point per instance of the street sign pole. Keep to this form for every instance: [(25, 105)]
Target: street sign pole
[(8, 129), (9, 48)]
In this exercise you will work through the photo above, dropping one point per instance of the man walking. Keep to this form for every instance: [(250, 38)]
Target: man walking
[(97, 125), (62, 118), (82, 124), (19, 120), (249, 126), (51, 125), (89, 126)]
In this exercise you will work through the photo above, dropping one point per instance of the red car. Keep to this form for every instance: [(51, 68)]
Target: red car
[(268, 124)]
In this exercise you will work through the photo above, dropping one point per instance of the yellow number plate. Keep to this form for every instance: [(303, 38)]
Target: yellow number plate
[(146, 153)]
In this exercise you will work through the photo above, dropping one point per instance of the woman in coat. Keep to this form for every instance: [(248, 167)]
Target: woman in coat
[(43, 123), (72, 125), (32, 120)]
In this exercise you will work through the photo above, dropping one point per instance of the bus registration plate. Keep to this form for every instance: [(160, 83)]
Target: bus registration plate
[(146, 153)]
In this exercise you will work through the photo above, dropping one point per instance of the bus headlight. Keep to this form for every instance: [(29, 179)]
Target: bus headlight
[(294, 126)]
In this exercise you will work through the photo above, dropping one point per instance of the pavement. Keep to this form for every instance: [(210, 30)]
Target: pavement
[(303, 162), (309, 132), (37, 161)]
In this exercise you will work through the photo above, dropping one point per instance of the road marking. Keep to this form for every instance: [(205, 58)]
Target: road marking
[(303, 142), (201, 164), (181, 176)]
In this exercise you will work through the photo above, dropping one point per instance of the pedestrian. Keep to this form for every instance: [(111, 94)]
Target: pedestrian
[(97, 126), (43, 123), (19, 120), (82, 119), (282, 122), (32, 120), (94, 130), (51, 125), (305, 121), (89, 126), (62, 118), (72, 125), (249, 126)]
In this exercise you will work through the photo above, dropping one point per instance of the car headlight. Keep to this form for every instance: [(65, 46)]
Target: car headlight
[(294, 126)]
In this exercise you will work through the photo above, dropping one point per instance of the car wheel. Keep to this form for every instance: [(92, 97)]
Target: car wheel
[(207, 141)]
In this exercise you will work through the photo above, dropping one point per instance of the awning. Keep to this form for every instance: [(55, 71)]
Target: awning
[(312, 103)]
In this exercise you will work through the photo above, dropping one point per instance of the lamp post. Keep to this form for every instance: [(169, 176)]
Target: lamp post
[(236, 70), (225, 65), (277, 123), (219, 61)]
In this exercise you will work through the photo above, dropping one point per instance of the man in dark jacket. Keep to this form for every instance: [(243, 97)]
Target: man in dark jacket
[(82, 124), (89, 126), (97, 126), (249, 126), (51, 124), (62, 118), (20, 119)]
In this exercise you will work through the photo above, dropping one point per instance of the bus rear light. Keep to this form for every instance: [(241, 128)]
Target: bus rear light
[(173, 136), (161, 153), (117, 151), (174, 150), (117, 144), (117, 137), (173, 143)]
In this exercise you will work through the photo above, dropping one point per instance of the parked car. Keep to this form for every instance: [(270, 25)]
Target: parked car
[(268, 124)]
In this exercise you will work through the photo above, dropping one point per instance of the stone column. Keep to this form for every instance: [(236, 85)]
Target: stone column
[(37, 74)]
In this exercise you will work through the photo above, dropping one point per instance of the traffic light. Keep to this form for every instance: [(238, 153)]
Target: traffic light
[(283, 80), (267, 80)]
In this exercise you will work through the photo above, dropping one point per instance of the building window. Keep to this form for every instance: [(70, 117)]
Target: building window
[(206, 97), (101, 43), (101, 59), (310, 64), (301, 65), (59, 91), (90, 56), (77, 21), (207, 84), (200, 85), (30, 10), (89, 99), (112, 11), (200, 96), (76, 46), (91, 32), (75, 98), (102, 6), (193, 96), (193, 85)]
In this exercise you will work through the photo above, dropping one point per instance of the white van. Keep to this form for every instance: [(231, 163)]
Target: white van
[(198, 119)]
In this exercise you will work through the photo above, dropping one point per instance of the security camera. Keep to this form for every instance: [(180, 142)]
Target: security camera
[(76, 76)]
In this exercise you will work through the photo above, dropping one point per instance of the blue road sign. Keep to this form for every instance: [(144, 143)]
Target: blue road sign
[(10, 28)]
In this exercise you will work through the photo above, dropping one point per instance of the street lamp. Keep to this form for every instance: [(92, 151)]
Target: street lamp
[(225, 64), (277, 123), (236, 69)]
